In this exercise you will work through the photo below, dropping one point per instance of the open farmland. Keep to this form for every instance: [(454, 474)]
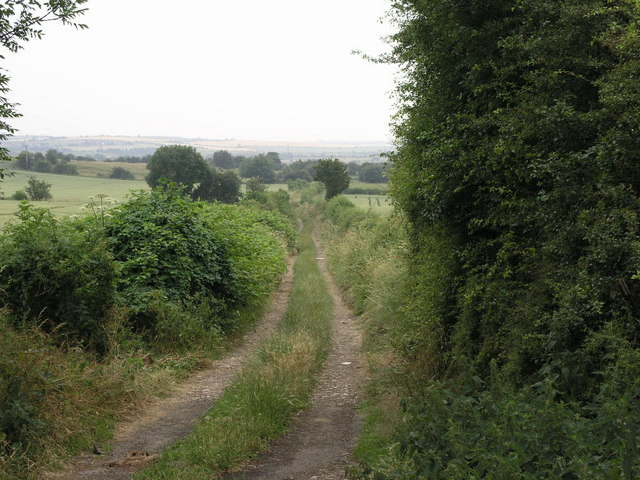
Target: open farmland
[(103, 169), (69, 192), (377, 203)]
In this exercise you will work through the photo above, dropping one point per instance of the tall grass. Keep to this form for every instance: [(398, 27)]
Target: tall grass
[(275, 384)]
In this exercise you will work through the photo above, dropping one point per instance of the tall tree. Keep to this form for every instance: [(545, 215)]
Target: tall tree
[(333, 174), (20, 21), (261, 167), (219, 186), (178, 163), (223, 159)]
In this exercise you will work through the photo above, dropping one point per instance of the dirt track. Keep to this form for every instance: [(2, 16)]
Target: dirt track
[(167, 420), (319, 444)]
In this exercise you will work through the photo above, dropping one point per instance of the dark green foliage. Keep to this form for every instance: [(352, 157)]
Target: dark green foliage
[(163, 244), (513, 144), (298, 184), (272, 201), (365, 191), (121, 173), (372, 173), (352, 168), (51, 162), (517, 169), (261, 167), (43, 166), (19, 195), (332, 173), (57, 275), (179, 164), (475, 432), (65, 169), (38, 190), (254, 185), (219, 186), (299, 170), (223, 159), (255, 241)]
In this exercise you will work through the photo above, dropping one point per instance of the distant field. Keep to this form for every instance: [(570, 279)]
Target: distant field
[(377, 203), (104, 169), (69, 192), (359, 184)]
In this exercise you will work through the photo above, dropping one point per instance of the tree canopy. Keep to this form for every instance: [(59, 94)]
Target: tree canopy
[(179, 164), (333, 174), (261, 167), (219, 186)]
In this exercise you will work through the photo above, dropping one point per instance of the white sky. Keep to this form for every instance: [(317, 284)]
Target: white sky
[(245, 69)]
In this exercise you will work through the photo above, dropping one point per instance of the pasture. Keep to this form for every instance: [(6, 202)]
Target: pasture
[(379, 204), (69, 192), (103, 169)]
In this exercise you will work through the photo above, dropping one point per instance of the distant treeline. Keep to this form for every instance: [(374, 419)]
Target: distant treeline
[(52, 161), (268, 168)]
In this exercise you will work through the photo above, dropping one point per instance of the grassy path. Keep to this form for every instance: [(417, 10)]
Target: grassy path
[(321, 440), (169, 419), (274, 385)]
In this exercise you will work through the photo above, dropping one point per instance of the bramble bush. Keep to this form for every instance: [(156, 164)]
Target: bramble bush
[(164, 248), (57, 274)]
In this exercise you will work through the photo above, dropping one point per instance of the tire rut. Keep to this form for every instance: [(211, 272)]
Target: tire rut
[(138, 441), (319, 444)]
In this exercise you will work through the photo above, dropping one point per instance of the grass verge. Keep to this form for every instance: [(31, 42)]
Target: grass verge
[(72, 400), (274, 385)]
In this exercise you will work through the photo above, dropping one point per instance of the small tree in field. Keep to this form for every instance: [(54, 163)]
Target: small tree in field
[(334, 175), (38, 189)]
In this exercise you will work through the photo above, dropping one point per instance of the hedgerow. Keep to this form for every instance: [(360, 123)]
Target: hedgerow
[(58, 275), (85, 302), (454, 424)]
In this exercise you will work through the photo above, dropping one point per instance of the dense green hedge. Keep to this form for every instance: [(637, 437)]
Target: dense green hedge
[(59, 275), (457, 425), (158, 274)]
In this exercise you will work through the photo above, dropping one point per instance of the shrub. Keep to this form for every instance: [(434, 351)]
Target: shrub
[(163, 244), (38, 189), (56, 274), (474, 431), (365, 191), (251, 237), (20, 195), (43, 166), (121, 173), (65, 169), (297, 184)]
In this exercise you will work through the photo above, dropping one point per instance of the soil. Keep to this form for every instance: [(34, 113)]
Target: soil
[(319, 444), (140, 440)]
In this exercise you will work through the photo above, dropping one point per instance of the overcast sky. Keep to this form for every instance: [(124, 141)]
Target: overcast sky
[(245, 69)]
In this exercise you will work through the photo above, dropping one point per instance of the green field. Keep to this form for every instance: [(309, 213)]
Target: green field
[(69, 192), (380, 204), (358, 184), (103, 169)]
